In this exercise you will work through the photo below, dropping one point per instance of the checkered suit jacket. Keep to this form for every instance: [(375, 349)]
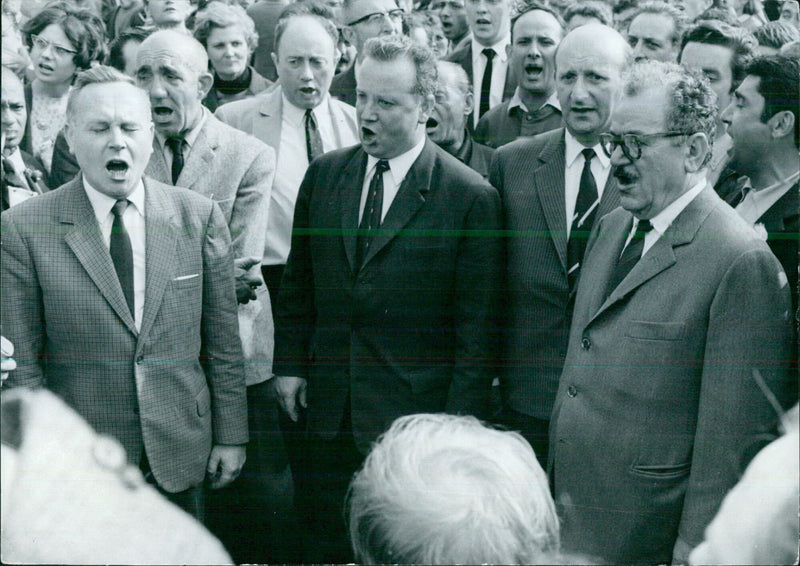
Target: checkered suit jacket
[(175, 387)]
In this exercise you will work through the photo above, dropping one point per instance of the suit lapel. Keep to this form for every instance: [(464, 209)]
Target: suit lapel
[(267, 126), (160, 237), (610, 199), (86, 242), (200, 155), (549, 181), (785, 208), (157, 166), (351, 182)]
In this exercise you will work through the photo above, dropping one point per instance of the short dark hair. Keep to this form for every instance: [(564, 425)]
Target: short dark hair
[(776, 34), (590, 9), (115, 57), (780, 87), (391, 48), (84, 29), (659, 7), (525, 6), (309, 8), (741, 43)]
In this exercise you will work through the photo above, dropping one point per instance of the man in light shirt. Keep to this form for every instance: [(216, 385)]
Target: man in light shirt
[(678, 306)]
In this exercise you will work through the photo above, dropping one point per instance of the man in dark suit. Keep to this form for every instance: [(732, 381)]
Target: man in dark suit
[(447, 126), (680, 340), (118, 295), (22, 174), (763, 119), (363, 20), (551, 196), (387, 304), (485, 56)]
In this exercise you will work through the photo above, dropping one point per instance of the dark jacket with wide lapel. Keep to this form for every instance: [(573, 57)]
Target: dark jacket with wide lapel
[(529, 174), (782, 223), (657, 400), (408, 332), (175, 386), (343, 86)]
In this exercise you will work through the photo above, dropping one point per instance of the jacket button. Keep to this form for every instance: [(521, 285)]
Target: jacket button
[(586, 343), (140, 359), (572, 391)]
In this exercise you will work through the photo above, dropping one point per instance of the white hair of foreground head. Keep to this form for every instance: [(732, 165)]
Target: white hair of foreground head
[(444, 489)]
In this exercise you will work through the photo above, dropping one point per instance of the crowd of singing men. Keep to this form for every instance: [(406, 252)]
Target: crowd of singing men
[(463, 281)]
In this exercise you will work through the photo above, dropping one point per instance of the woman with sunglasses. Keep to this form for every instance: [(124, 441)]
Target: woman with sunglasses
[(63, 40)]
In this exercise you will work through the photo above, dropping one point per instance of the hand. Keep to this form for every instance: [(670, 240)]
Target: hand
[(7, 363), (246, 281), (224, 464), (289, 390)]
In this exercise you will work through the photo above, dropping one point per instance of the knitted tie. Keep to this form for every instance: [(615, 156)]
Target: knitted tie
[(122, 254), (582, 219), (371, 218), (486, 82), (630, 255), (175, 145), (313, 139)]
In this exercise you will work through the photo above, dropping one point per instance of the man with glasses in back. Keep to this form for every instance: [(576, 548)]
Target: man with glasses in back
[(363, 20), (680, 336)]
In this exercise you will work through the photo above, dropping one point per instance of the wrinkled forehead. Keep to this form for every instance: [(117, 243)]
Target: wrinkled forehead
[(643, 112), (161, 55)]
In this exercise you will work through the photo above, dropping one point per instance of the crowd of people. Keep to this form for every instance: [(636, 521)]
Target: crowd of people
[(450, 281)]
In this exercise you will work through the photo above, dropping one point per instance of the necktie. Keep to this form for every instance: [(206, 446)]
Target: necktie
[(582, 219), (630, 255), (371, 218), (313, 139), (486, 82), (10, 175), (122, 254), (176, 147)]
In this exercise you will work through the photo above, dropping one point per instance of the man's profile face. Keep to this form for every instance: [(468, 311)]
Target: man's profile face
[(111, 134), (489, 20), (174, 88), (305, 62), (390, 115), (14, 113), (453, 16), (449, 116), (714, 61), (535, 37), (751, 137), (650, 37)]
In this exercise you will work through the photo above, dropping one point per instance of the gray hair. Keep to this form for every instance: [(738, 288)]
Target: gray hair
[(391, 48), (462, 82), (310, 9)]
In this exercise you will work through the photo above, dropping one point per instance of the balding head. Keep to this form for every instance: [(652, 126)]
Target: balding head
[(173, 69), (589, 65)]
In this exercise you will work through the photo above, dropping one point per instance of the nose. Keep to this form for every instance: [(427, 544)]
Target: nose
[(5, 115), (638, 52), (156, 88), (305, 72), (579, 93), (117, 140), (618, 157), (533, 50), (365, 108), (725, 116)]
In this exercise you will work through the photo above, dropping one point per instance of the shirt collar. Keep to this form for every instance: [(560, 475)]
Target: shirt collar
[(295, 115), (102, 203), (499, 49), (516, 102), (664, 219), (400, 165), (191, 136), (574, 149)]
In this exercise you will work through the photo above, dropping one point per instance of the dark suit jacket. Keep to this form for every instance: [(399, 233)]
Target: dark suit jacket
[(177, 385), (64, 166), (477, 156), (463, 57), (782, 223), (658, 410), (411, 330), (343, 86), (529, 174)]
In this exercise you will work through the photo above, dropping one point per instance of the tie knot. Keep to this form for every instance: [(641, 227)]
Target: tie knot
[(588, 154), (644, 226), (119, 207), (174, 144), (381, 167), (309, 113), (488, 53)]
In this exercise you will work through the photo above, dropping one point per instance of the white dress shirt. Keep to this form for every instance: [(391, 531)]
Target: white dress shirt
[(133, 217), (189, 138), (289, 172), (757, 202), (499, 70), (600, 167), (392, 179)]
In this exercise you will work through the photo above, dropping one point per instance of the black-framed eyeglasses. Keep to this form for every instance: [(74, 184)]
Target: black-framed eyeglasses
[(42, 44), (632, 143), (395, 15)]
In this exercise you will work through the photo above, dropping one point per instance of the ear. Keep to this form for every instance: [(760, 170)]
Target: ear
[(204, 83), (469, 103), (349, 35), (782, 124), (508, 50), (697, 152), (68, 131), (426, 107), (274, 57)]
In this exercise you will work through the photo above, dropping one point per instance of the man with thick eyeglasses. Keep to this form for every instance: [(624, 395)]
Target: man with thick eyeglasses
[(363, 19), (678, 303)]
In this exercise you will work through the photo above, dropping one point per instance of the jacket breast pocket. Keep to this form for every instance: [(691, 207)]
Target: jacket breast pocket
[(662, 472), (644, 330)]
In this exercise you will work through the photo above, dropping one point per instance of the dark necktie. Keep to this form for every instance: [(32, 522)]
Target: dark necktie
[(122, 254), (583, 219), (371, 218), (313, 139), (486, 82), (175, 145), (630, 255)]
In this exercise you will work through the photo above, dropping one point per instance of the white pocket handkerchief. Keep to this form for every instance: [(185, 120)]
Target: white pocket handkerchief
[(185, 277)]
